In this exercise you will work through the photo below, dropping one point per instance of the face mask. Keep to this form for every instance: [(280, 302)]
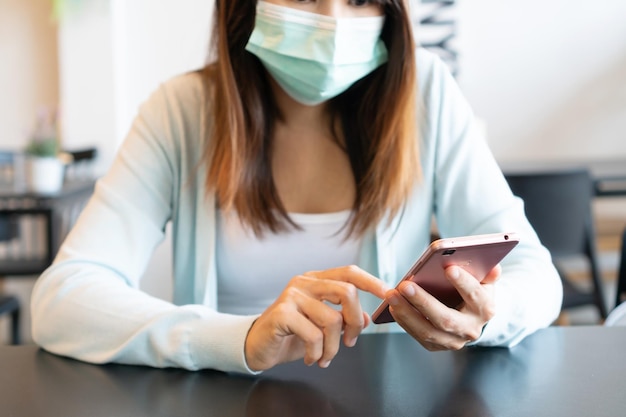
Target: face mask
[(314, 57)]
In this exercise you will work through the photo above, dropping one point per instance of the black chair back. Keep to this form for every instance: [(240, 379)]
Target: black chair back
[(558, 205), (620, 295), (9, 304)]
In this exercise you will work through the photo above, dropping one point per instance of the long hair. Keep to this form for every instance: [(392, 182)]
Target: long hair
[(377, 115)]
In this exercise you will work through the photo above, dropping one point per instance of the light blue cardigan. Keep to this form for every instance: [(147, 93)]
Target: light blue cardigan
[(87, 305)]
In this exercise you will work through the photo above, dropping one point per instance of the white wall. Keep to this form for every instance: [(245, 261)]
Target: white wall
[(155, 41), (28, 80), (28, 67), (113, 53), (87, 83), (548, 77)]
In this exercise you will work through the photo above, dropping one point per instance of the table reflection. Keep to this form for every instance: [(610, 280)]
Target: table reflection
[(171, 392), (559, 371), (385, 376)]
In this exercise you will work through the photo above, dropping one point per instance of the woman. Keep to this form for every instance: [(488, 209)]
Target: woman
[(309, 144)]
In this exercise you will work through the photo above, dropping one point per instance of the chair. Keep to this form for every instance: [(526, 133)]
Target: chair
[(617, 316), (558, 205), (11, 305), (620, 295), (8, 231)]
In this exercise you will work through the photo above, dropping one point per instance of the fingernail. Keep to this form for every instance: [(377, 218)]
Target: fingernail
[(352, 342), (324, 364), (394, 300), (408, 290)]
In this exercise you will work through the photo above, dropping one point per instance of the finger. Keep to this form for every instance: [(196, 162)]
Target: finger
[(470, 289), (453, 323), (420, 299), (351, 341), (423, 328), (340, 293), (406, 314), (478, 298), (366, 319), (292, 320), (477, 301), (355, 276), (328, 320)]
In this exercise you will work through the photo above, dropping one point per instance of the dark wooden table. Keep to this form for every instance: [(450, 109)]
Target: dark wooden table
[(560, 371)]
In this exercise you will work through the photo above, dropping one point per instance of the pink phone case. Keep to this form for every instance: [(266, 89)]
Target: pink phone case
[(477, 254)]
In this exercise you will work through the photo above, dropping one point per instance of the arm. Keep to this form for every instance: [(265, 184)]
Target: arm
[(88, 305), (471, 196)]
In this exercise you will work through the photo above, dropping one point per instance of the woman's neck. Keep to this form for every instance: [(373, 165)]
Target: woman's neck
[(299, 117), (310, 169)]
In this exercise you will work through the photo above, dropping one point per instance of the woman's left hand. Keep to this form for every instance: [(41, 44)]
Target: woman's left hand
[(436, 326)]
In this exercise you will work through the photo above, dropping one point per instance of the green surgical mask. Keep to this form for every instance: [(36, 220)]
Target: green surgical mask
[(315, 57)]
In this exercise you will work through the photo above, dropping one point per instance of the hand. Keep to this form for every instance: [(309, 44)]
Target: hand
[(299, 324), (436, 326)]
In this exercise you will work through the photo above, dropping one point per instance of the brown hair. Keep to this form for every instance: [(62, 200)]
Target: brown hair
[(377, 115)]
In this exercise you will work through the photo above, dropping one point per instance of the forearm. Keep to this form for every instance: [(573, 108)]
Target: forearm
[(91, 315), (527, 298)]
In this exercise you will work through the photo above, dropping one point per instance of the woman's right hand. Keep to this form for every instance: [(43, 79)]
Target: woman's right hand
[(299, 324)]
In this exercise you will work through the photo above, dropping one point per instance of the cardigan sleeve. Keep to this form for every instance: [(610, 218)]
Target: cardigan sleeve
[(88, 304), (471, 196)]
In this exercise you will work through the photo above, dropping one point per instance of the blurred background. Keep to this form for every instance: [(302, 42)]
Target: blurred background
[(546, 79)]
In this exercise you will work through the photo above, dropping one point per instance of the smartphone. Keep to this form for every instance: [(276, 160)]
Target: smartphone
[(477, 254)]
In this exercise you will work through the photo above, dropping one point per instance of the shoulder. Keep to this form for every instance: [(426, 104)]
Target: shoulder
[(183, 92), (187, 85), (175, 112), (426, 61), (169, 127), (433, 75), (444, 117), (439, 94)]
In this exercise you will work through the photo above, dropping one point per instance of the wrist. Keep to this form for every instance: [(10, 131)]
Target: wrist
[(248, 353)]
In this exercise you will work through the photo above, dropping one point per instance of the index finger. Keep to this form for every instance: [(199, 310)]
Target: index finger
[(355, 276), (467, 285)]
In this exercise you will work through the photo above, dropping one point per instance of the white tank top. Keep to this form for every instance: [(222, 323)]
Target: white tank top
[(252, 272)]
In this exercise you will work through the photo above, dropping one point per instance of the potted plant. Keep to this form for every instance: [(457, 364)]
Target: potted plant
[(43, 147), (44, 164)]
